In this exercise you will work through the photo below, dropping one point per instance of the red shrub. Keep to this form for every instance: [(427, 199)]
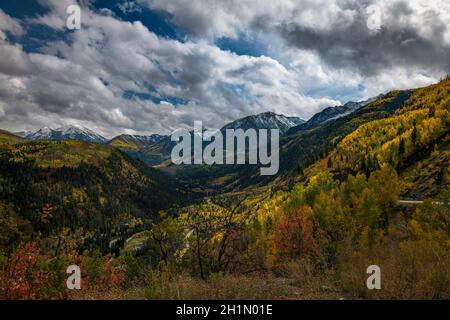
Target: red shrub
[(20, 278), (294, 235), (101, 273)]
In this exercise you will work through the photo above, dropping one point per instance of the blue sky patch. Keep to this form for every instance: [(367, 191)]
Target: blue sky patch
[(155, 98), (22, 9), (155, 21), (243, 45)]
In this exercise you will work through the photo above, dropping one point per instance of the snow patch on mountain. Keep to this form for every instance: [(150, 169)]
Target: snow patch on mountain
[(267, 120), (154, 138), (70, 132), (333, 113)]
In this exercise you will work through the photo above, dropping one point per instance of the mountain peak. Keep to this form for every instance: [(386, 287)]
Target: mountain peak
[(44, 130), (153, 138), (265, 120), (68, 132), (332, 113)]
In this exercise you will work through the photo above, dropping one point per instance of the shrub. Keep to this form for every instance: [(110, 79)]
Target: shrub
[(20, 277)]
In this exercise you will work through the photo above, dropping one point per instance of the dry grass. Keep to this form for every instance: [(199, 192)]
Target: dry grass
[(417, 271), (184, 287), (295, 284)]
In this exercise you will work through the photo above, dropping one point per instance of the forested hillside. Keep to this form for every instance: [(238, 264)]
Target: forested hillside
[(298, 150), (420, 124), (53, 191), (7, 138)]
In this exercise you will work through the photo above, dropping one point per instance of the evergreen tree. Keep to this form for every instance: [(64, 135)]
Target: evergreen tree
[(414, 135), (401, 148), (330, 163)]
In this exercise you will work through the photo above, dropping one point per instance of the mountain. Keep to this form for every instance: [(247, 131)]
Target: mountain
[(266, 120), (298, 150), (156, 149), (332, 113), (135, 142), (9, 138), (70, 132), (394, 129), (141, 147), (414, 140), (22, 134), (91, 189)]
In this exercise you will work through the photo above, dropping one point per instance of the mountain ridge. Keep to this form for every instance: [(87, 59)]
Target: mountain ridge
[(69, 132), (332, 113), (265, 120)]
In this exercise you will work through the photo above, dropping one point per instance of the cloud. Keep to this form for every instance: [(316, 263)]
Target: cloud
[(83, 81), (117, 76), (223, 18), (413, 32), (9, 24), (413, 35), (13, 60), (129, 7)]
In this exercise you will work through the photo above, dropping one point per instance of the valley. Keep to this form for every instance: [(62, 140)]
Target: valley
[(351, 182)]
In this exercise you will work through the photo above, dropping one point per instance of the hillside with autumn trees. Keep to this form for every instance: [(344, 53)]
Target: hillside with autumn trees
[(311, 233), (423, 123), (58, 191)]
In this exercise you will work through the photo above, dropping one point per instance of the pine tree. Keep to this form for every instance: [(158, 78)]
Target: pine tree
[(440, 177), (414, 135), (401, 148), (363, 165), (329, 163)]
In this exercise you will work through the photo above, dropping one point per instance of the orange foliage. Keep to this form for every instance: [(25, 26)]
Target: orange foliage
[(295, 234)]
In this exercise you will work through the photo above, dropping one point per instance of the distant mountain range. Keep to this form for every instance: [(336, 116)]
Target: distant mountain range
[(71, 132), (303, 143), (155, 149), (135, 142), (266, 120), (332, 113)]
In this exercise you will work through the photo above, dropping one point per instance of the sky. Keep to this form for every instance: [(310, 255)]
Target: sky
[(153, 66)]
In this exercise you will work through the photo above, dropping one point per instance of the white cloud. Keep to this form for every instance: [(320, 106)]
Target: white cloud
[(84, 81), (13, 60), (397, 79), (9, 24), (219, 18), (129, 7)]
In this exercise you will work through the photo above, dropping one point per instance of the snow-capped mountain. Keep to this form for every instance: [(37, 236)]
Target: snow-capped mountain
[(332, 113), (154, 138), (42, 134), (267, 120), (71, 132)]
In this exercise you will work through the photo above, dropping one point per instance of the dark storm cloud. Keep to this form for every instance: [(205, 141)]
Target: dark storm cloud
[(368, 53), (355, 46)]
